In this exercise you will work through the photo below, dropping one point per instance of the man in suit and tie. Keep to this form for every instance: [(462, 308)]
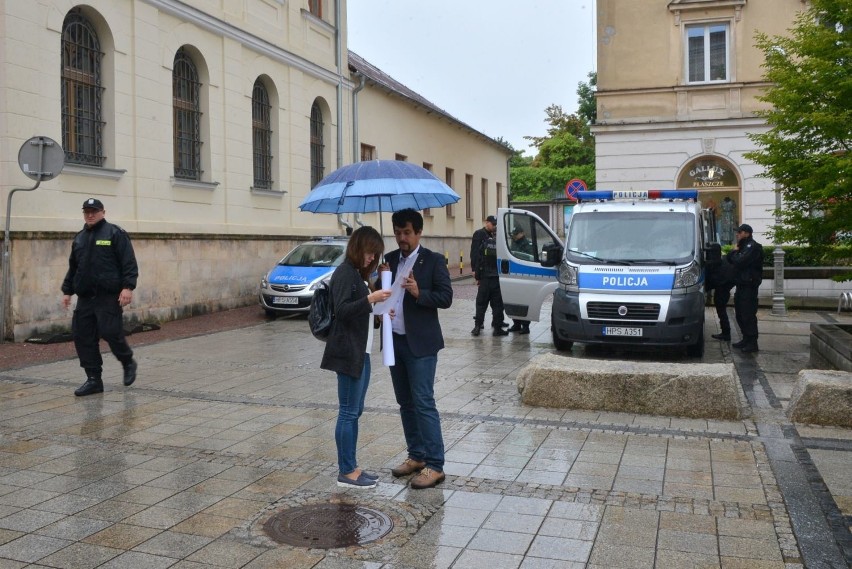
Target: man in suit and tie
[(417, 338)]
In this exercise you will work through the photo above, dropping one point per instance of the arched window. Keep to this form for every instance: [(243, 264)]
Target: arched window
[(317, 146), (186, 90), (82, 127), (261, 135)]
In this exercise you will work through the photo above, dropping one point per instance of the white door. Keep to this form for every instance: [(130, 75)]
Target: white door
[(527, 261)]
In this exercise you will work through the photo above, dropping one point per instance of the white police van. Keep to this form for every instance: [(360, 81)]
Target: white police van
[(631, 270)]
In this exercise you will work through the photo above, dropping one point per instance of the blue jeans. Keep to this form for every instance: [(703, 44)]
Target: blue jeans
[(414, 385), (351, 392)]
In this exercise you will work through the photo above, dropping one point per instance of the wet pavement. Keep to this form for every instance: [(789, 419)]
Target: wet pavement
[(223, 432)]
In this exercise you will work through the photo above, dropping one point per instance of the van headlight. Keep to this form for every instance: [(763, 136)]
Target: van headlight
[(687, 276), (568, 276)]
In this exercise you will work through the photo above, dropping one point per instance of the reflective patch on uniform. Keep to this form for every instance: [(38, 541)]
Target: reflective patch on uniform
[(106, 242)]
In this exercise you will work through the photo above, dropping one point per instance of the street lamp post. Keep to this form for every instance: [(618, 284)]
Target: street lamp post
[(779, 305)]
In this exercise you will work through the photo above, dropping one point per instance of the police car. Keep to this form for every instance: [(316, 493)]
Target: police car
[(631, 270), (289, 287)]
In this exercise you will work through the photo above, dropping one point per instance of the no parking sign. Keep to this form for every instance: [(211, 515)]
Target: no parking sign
[(574, 186)]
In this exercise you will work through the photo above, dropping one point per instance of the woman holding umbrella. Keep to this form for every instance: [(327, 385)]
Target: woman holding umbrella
[(347, 351)]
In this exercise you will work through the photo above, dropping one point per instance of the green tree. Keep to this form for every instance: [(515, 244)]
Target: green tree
[(807, 147), (568, 142), (588, 108)]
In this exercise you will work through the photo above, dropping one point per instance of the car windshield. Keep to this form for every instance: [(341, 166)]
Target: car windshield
[(632, 237), (314, 255)]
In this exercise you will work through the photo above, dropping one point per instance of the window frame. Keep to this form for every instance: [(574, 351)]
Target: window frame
[(261, 136), (317, 148), (186, 114), (82, 124), (707, 51)]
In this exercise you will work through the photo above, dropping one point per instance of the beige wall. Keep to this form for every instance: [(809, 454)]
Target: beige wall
[(224, 232)]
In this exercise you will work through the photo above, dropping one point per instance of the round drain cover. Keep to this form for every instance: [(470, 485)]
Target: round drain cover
[(328, 526)]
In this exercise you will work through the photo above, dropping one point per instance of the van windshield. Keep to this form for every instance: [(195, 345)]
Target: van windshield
[(631, 236), (314, 255)]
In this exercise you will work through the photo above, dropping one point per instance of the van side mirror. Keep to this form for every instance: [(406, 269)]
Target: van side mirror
[(551, 255)]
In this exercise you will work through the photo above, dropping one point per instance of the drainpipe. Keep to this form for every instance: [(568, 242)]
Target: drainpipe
[(362, 82), (339, 58)]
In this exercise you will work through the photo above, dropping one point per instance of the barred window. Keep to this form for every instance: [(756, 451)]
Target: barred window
[(261, 134), (187, 117), (82, 127), (317, 146)]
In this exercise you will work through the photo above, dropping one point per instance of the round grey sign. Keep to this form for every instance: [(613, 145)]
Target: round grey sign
[(41, 158)]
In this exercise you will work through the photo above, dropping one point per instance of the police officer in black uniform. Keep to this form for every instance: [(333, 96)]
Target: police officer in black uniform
[(747, 260), (102, 272), (720, 281), (483, 254)]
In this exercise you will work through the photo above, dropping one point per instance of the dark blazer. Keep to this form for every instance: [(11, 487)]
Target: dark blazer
[(422, 327), (346, 345)]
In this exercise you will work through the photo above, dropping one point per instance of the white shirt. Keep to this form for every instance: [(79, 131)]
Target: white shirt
[(406, 264)]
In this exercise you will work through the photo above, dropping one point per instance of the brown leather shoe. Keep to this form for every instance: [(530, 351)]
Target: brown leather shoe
[(409, 466), (427, 478)]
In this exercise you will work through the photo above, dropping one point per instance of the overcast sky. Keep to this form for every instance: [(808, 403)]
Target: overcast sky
[(493, 64)]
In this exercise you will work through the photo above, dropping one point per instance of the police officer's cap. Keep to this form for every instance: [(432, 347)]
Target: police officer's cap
[(491, 219), (745, 227), (93, 203)]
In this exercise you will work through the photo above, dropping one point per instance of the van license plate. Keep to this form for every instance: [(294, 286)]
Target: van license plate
[(617, 331), (285, 300)]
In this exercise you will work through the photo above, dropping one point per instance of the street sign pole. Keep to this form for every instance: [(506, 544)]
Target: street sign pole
[(48, 159)]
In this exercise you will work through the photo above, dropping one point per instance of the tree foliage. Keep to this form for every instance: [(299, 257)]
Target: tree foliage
[(566, 152), (807, 147)]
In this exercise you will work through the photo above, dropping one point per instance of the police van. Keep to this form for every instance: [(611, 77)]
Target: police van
[(631, 270)]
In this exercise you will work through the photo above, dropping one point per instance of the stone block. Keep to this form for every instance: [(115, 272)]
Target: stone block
[(708, 391), (822, 397)]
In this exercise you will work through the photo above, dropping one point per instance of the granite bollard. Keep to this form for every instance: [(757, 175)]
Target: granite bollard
[(822, 397), (707, 391)]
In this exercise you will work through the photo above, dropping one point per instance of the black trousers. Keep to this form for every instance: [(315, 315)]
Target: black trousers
[(95, 318), (745, 308), (489, 293), (721, 296)]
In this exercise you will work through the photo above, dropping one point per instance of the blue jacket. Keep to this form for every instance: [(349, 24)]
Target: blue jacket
[(422, 327)]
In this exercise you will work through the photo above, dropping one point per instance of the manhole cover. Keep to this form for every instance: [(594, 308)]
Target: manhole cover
[(328, 526)]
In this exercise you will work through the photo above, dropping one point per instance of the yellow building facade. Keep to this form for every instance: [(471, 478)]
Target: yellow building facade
[(678, 82)]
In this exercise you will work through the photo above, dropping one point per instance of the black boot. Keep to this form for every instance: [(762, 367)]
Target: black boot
[(476, 330), (130, 372), (740, 344), (500, 331), (516, 327), (525, 328), (724, 336), (749, 347), (93, 384)]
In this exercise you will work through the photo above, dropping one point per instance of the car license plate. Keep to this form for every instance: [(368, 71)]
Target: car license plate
[(285, 300), (617, 331)]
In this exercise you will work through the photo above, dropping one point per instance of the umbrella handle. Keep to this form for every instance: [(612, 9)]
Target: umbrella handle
[(343, 193)]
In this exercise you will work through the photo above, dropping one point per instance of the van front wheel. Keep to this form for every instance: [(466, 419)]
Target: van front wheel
[(696, 350), (558, 343)]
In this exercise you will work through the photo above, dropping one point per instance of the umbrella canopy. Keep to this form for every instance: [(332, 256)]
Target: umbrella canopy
[(378, 185)]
